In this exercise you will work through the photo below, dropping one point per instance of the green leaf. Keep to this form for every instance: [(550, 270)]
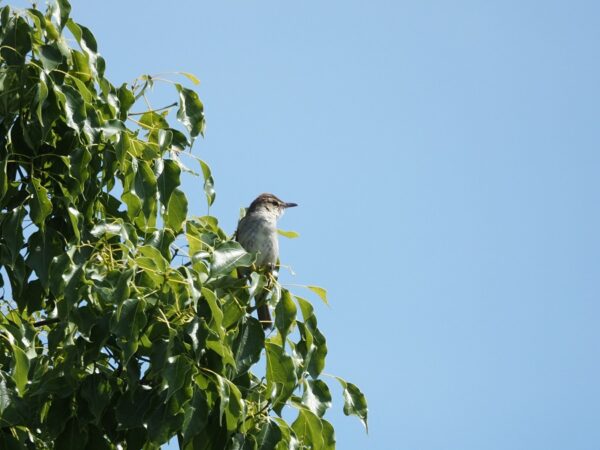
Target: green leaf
[(16, 42), (145, 187), (73, 437), (288, 234), (317, 360), (228, 256), (328, 435), (79, 167), (196, 415), (132, 408), (85, 39), (73, 105), (96, 391), (152, 259), (40, 205), (191, 77), (154, 123), (215, 309), (62, 8), (12, 232), (81, 64), (322, 293), (269, 435), (75, 218), (309, 429), (20, 369), (231, 404), (177, 374), (50, 56), (355, 402), (168, 180), (41, 94), (281, 375), (316, 397), (176, 211), (248, 345), (307, 312), (209, 184), (285, 314), (127, 323), (126, 100), (43, 248), (191, 111)]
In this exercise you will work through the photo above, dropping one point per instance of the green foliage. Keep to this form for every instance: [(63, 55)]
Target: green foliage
[(123, 321)]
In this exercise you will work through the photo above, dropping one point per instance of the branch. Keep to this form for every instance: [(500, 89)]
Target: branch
[(41, 323)]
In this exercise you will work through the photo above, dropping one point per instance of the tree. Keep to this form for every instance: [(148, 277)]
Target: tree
[(123, 321)]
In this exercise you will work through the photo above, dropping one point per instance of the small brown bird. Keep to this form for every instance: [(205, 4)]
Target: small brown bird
[(257, 233)]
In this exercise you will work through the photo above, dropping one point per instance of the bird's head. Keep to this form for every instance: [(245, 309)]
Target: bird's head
[(269, 204)]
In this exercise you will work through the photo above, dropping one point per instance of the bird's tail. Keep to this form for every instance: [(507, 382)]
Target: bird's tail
[(264, 316)]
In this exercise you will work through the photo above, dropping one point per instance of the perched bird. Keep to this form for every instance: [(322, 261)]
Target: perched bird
[(257, 233)]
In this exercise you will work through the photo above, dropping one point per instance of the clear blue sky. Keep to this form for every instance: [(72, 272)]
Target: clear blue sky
[(446, 159)]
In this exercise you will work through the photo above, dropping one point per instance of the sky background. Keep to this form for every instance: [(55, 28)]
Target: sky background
[(446, 158)]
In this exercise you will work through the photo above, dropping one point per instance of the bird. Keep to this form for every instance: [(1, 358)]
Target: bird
[(257, 233)]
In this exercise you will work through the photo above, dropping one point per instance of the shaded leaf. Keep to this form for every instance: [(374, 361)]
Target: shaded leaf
[(177, 374), (73, 437), (40, 206), (50, 56), (168, 180), (248, 345), (269, 435), (196, 415), (280, 373), (20, 369)]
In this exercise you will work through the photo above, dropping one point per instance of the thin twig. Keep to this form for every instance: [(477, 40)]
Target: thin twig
[(153, 110)]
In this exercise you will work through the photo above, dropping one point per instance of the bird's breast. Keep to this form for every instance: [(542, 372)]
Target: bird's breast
[(259, 236)]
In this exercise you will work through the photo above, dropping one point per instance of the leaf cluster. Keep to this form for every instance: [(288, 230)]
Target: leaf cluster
[(123, 321)]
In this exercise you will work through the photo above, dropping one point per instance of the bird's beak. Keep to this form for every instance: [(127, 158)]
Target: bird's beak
[(290, 205)]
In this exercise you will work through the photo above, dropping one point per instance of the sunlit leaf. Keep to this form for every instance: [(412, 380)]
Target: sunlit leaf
[(191, 111), (177, 209), (191, 77), (288, 234), (285, 314), (355, 402), (322, 293), (209, 184), (228, 256), (309, 429), (316, 396)]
